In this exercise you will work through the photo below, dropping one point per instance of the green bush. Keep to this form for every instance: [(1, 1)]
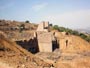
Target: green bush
[(83, 35), (56, 27), (62, 29), (27, 21), (73, 32), (87, 39)]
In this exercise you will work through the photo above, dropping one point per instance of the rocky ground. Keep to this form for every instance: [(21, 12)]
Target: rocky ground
[(12, 55), (74, 60), (67, 60)]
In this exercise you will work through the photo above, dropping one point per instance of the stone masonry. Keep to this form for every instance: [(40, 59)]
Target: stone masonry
[(45, 38), (43, 26), (45, 42), (42, 40)]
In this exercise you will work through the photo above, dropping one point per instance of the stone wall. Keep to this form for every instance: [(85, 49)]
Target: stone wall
[(31, 45), (43, 26), (40, 27), (46, 24), (45, 42), (65, 41)]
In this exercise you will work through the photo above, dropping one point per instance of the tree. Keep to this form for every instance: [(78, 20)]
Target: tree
[(56, 27), (26, 21), (68, 30), (87, 38), (62, 29), (75, 32), (83, 36)]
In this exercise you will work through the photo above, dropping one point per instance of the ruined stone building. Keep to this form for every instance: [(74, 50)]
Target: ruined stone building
[(46, 40), (42, 40)]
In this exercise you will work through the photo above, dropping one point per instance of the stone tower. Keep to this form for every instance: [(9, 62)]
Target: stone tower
[(44, 37), (43, 26)]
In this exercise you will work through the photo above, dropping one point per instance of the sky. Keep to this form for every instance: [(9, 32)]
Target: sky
[(67, 13)]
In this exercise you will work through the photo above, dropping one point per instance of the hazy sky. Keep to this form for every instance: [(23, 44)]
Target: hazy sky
[(67, 13)]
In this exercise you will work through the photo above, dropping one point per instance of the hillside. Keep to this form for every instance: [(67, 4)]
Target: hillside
[(73, 60), (75, 43), (76, 54), (16, 57), (8, 25), (20, 48)]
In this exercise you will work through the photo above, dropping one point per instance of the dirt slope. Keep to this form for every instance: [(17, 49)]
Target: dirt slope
[(76, 54), (17, 57), (69, 60), (75, 43)]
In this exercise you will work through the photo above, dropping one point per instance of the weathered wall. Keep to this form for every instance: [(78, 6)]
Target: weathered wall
[(45, 47), (31, 45), (45, 42), (62, 44), (40, 27), (43, 26), (46, 24)]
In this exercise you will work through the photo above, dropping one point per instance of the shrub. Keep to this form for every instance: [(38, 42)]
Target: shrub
[(73, 32), (62, 29), (83, 36), (27, 21), (56, 27)]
